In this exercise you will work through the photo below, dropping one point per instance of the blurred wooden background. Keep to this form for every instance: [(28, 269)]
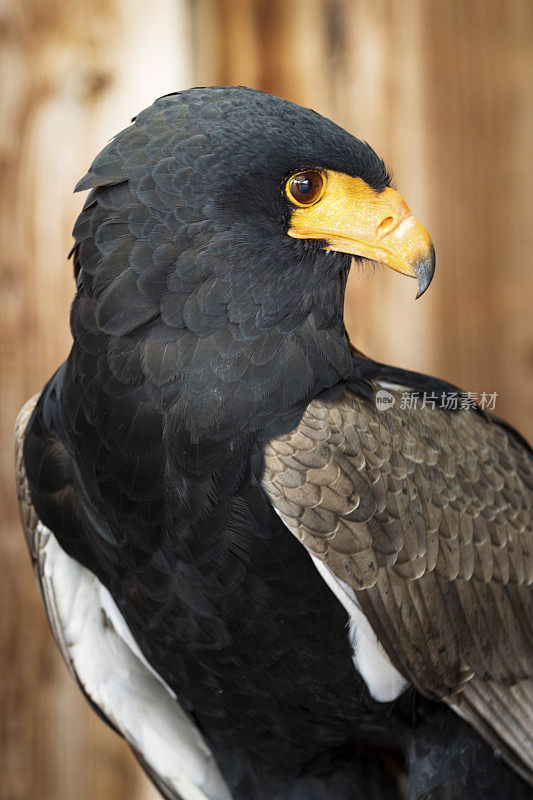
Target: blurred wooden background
[(440, 89)]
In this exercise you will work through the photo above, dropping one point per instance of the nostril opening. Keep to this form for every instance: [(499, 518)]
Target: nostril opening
[(385, 226)]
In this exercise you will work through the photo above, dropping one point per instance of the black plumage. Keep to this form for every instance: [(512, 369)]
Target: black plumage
[(201, 331)]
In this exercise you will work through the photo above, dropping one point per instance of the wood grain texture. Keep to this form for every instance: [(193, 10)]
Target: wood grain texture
[(439, 89), (71, 79)]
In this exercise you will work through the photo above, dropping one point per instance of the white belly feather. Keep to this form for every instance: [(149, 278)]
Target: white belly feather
[(383, 680)]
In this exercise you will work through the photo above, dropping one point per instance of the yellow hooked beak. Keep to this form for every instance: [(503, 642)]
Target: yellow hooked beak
[(354, 218)]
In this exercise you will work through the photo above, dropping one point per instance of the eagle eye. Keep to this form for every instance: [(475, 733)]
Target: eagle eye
[(305, 188)]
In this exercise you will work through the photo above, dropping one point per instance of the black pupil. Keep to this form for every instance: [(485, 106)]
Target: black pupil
[(305, 185)]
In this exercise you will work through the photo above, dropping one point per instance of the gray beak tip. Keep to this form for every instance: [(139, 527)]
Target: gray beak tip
[(424, 271)]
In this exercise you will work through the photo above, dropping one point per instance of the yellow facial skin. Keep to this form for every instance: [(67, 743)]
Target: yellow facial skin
[(353, 218)]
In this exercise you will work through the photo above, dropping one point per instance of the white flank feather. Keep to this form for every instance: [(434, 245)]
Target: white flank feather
[(102, 654)]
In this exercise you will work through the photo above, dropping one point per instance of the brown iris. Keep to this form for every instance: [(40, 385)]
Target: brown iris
[(305, 188)]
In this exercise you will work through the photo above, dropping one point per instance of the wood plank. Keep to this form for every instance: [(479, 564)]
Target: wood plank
[(72, 78)]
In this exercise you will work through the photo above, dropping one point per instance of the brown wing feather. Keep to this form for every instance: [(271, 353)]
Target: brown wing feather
[(428, 516), (27, 511)]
